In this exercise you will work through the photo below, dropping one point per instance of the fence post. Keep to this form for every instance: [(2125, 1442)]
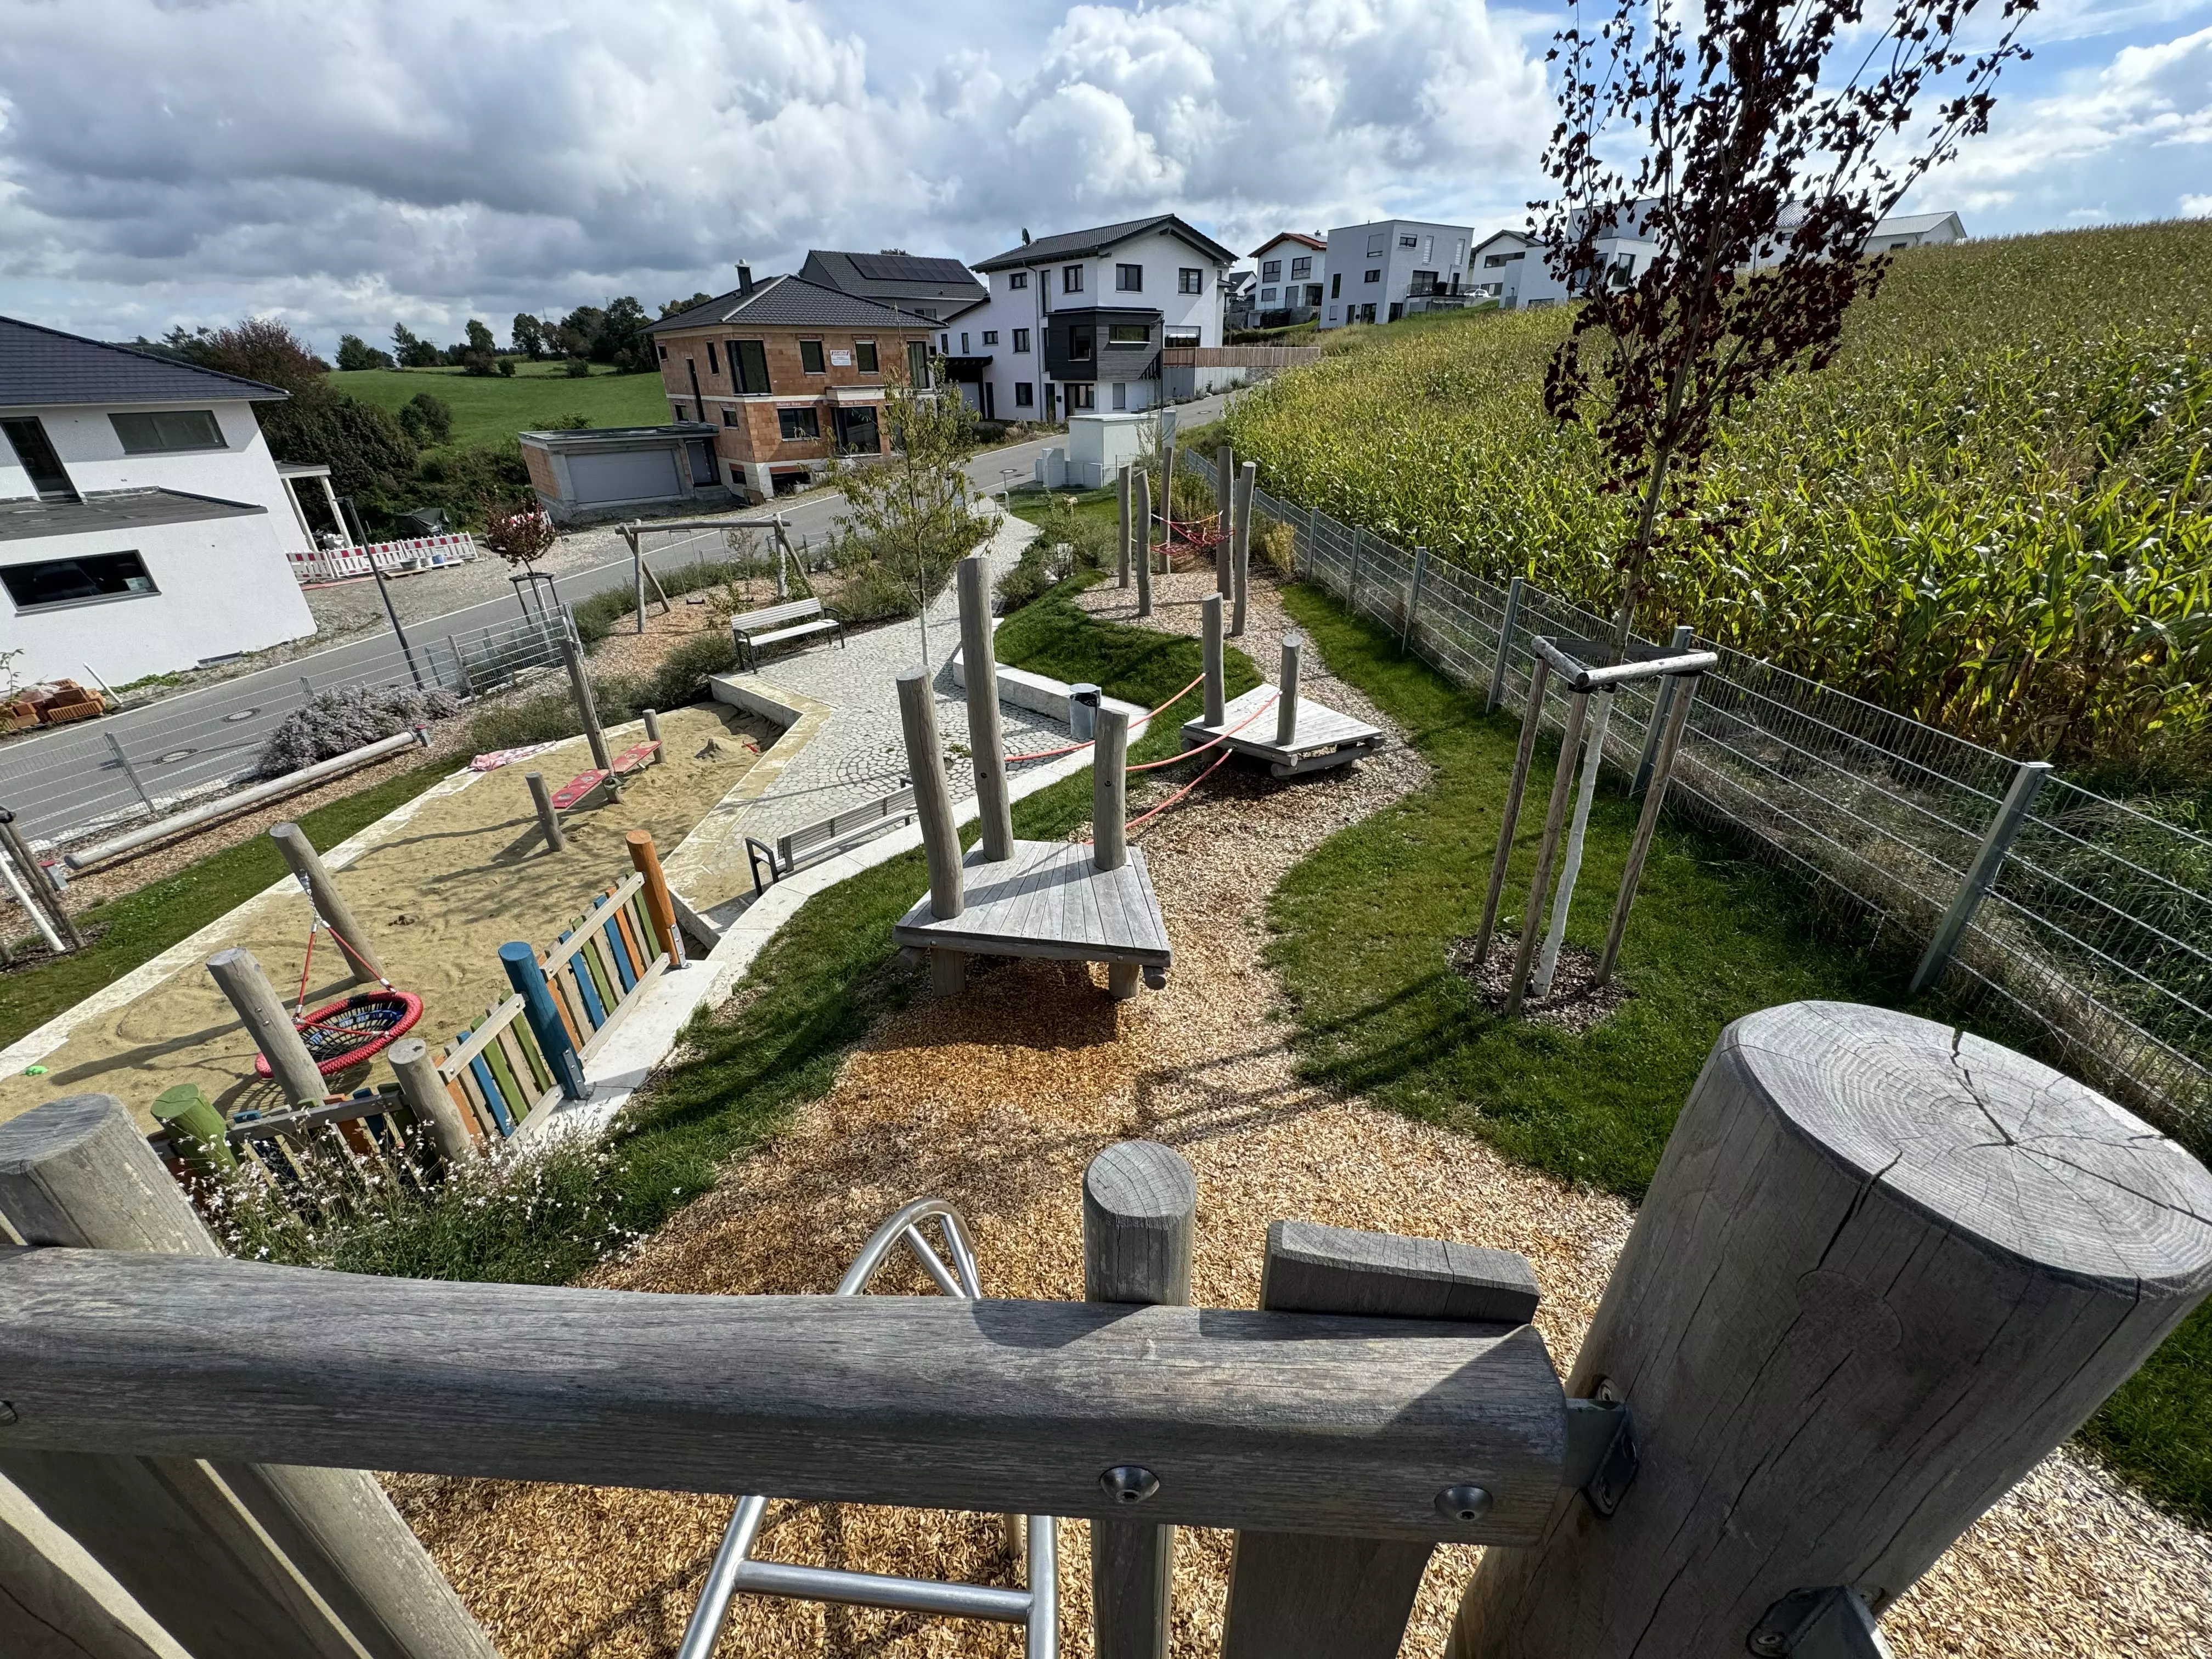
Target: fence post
[(42, 897), (1860, 1301), (1660, 703), (1301, 1595), (1504, 645), (659, 907), (524, 973), (307, 864), (129, 770), (1988, 859), (460, 667), (1121, 487), (1139, 1216), (1351, 580), (248, 1561), (271, 1029), (424, 1091), (1413, 597)]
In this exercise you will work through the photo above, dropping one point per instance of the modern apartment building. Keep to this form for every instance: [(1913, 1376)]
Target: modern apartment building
[(1378, 272), (1078, 321), (1292, 273)]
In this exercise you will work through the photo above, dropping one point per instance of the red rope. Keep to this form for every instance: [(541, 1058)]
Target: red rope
[(1136, 823), (1201, 749), (1048, 754), (315, 925)]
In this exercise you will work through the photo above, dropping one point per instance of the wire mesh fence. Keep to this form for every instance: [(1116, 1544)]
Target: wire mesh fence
[(2094, 934), (139, 764)]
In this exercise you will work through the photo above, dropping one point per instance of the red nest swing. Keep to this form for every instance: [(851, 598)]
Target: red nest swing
[(353, 1028)]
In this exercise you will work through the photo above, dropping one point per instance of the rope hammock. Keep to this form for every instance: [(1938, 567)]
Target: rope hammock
[(353, 1028)]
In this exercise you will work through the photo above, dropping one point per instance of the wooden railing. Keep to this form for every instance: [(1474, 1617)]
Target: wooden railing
[(1240, 356)]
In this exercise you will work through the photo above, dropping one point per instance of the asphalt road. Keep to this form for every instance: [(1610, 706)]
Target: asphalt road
[(59, 781)]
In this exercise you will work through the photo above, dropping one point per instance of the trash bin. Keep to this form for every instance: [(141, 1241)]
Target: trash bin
[(1083, 712)]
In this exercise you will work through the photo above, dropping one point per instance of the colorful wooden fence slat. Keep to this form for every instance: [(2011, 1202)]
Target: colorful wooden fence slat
[(618, 952), (489, 1086), (586, 987)]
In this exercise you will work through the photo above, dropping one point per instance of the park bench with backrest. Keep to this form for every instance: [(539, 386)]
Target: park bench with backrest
[(832, 836), (796, 619)]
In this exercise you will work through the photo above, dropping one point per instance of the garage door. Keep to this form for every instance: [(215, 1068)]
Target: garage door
[(627, 477)]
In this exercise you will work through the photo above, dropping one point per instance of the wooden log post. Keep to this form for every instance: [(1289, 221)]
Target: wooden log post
[(1143, 547), (986, 737), (1678, 699), (1121, 484), (56, 1602), (1555, 817), (1570, 863), (1510, 818), (235, 1560), (659, 904), (548, 819), (1241, 554), (271, 1029), (1306, 1596), (1109, 791), (527, 976), (307, 864), (1286, 690), (1217, 690), (651, 717), (1883, 1268), (1224, 503), (940, 834), (588, 710), (1140, 1216), (427, 1096)]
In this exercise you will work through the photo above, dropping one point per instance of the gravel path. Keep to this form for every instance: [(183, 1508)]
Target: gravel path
[(995, 1100)]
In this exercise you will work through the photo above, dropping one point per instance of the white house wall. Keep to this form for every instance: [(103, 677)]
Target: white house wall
[(1441, 248), (85, 439)]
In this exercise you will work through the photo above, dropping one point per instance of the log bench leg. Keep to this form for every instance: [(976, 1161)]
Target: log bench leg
[(948, 973), (1122, 979)]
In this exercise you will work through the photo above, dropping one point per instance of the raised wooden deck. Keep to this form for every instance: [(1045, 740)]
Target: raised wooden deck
[(1048, 900), (1321, 737)]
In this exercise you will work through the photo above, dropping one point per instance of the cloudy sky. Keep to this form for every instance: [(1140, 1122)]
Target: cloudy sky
[(344, 167)]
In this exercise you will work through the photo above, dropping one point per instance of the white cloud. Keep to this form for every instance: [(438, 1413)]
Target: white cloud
[(432, 159), (2197, 207)]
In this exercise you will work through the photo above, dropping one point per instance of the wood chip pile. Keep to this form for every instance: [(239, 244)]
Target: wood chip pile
[(995, 1100)]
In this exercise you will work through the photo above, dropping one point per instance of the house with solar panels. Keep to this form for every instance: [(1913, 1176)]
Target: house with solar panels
[(144, 527)]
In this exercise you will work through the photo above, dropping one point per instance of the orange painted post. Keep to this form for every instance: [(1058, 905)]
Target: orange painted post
[(659, 909)]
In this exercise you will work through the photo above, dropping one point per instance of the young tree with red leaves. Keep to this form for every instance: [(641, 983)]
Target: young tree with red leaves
[(1759, 157)]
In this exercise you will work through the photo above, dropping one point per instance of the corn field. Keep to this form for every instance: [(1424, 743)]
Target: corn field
[(1989, 513)]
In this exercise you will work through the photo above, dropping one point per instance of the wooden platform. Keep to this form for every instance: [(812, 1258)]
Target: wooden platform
[(1047, 900), (1322, 738)]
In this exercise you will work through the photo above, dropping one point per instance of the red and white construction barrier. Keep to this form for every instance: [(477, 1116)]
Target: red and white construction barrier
[(423, 553)]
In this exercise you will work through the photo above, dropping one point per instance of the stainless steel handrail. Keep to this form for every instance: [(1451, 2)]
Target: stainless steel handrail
[(734, 1570)]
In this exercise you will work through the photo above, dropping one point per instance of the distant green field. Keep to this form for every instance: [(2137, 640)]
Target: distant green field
[(492, 410)]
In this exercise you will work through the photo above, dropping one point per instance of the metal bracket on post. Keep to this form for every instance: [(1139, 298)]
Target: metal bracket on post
[(1819, 1624), (1982, 874), (1601, 1453), (1504, 647), (1660, 704)]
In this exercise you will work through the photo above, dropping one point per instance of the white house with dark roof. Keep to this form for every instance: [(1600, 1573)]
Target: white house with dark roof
[(1291, 270), (143, 526), (1076, 322)]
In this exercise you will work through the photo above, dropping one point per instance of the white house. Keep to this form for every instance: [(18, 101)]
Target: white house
[(1078, 321), (1378, 272), (143, 527), (1291, 272), (1916, 230)]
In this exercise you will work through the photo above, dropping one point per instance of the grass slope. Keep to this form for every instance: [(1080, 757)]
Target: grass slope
[(491, 410), (1363, 924)]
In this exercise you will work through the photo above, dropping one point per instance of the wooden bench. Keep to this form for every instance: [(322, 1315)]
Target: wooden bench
[(630, 760), (832, 836), (772, 625)]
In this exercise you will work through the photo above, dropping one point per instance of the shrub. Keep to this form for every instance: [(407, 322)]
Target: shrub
[(578, 367), (458, 480), (369, 452), (337, 721), (428, 420), (570, 422), (1276, 545)]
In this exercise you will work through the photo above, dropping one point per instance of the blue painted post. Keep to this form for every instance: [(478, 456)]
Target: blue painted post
[(546, 1024)]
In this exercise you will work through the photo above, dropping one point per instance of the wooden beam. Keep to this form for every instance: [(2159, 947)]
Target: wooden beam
[(56, 1602), (1285, 1421)]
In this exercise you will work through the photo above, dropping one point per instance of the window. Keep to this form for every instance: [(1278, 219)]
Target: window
[(864, 356), (1375, 241), (749, 358), (1336, 285), (34, 452), (1079, 340), (1492, 261), (809, 357), (1271, 270), (1301, 268), (1373, 276), (1428, 249), (664, 354), (1128, 279), (1017, 279), (1191, 279), (1021, 339), (712, 367), (990, 337), (1459, 253), (1313, 294), (1081, 395), (917, 363), (1367, 313), (1182, 338), (1129, 334), (1409, 241), (1267, 296), (1121, 395), (964, 343), (1424, 281), (929, 311), (1024, 394), (1332, 313), (730, 418), (1071, 279), (75, 581), (794, 424), (177, 429)]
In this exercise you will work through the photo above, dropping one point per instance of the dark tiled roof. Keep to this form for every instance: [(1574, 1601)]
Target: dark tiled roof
[(793, 302), (907, 268), (109, 510), (1084, 244), (44, 365)]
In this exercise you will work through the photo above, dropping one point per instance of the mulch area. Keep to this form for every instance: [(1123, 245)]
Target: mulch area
[(995, 1099)]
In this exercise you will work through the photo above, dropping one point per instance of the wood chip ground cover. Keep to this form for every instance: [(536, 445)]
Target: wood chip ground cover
[(995, 1100)]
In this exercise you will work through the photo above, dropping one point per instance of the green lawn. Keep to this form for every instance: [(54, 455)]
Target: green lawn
[(491, 410), (1362, 927)]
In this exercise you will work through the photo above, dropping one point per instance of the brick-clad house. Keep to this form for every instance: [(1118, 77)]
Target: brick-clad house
[(790, 374)]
